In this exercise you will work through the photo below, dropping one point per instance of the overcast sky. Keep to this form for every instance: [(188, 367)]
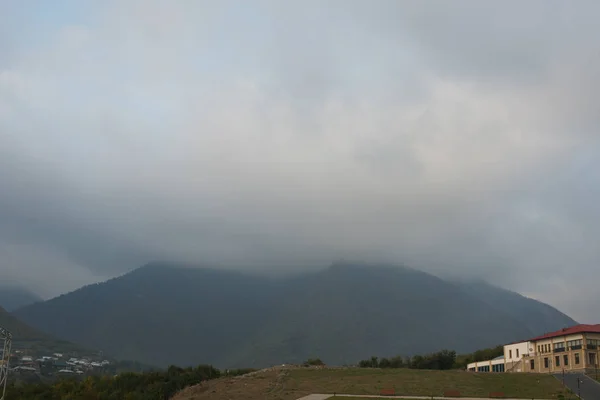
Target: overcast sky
[(458, 137)]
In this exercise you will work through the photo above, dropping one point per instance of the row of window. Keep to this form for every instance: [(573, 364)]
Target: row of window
[(574, 343), (571, 344), (486, 368), (565, 360), (510, 353)]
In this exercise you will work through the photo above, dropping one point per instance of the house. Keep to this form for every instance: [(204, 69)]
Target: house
[(573, 349)]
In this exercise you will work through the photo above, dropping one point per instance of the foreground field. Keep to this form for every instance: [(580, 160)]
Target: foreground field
[(291, 384)]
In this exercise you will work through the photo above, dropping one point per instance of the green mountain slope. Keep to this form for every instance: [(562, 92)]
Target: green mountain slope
[(19, 330), (12, 297), (532, 314), (162, 314), (26, 337)]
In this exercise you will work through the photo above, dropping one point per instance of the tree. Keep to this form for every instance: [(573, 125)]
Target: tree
[(313, 362)]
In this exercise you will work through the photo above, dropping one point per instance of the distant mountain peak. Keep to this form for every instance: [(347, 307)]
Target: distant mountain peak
[(348, 311)]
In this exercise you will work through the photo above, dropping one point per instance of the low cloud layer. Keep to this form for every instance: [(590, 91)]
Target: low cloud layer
[(460, 138)]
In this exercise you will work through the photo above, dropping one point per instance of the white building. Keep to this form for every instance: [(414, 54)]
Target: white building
[(495, 365), (514, 353)]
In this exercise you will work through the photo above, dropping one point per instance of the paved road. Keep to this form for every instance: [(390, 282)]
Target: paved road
[(589, 388), (327, 396)]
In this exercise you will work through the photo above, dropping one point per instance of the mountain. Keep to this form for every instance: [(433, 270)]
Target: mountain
[(533, 314), (12, 297), (20, 331), (25, 336), (162, 314)]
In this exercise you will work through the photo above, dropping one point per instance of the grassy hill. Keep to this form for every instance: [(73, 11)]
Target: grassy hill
[(291, 384), (341, 314)]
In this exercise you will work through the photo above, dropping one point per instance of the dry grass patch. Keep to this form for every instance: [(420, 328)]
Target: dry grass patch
[(293, 383), (422, 383)]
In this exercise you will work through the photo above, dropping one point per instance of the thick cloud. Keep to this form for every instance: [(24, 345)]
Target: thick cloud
[(460, 138)]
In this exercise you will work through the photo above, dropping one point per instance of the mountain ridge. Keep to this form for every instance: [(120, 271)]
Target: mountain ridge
[(343, 313), (13, 297)]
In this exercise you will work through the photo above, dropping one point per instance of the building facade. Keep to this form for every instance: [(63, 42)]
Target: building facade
[(574, 349)]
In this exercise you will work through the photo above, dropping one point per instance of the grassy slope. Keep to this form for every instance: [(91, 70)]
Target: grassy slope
[(426, 383), (292, 384)]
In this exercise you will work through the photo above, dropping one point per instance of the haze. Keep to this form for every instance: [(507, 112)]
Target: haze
[(457, 137)]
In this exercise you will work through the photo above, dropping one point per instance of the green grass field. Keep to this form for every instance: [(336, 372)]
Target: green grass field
[(409, 382)]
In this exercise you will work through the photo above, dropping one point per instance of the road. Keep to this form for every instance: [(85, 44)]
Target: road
[(588, 389), (372, 396)]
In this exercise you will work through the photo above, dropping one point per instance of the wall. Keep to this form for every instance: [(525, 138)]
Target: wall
[(545, 349), (489, 364), (514, 353)]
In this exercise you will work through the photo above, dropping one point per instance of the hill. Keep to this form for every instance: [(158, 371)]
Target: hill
[(12, 297), (20, 330), (162, 314), (293, 383), (27, 337)]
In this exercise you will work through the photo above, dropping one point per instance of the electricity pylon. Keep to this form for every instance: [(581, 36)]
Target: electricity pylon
[(6, 338)]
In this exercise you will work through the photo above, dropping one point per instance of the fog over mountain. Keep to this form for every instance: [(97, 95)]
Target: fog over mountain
[(460, 138)]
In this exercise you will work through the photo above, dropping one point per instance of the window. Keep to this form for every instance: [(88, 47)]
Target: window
[(517, 353), (546, 362), (510, 354), (532, 364), (574, 344), (557, 361), (576, 358), (592, 344), (566, 360), (559, 347), (539, 348), (592, 358)]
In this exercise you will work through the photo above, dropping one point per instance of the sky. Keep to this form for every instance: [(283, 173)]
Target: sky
[(460, 138)]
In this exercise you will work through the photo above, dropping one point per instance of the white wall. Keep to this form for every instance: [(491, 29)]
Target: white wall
[(514, 352)]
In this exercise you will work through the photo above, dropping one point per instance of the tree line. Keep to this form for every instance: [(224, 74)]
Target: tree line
[(156, 385), (444, 359), (441, 360)]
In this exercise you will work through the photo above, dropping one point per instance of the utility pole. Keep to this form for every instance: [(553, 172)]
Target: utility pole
[(6, 337)]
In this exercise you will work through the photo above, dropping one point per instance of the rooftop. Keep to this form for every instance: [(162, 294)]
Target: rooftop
[(569, 331)]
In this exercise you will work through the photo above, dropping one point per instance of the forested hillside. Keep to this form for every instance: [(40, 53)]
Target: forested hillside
[(163, 314)]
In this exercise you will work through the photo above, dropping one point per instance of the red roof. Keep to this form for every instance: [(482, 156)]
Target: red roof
[(569, 331)]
